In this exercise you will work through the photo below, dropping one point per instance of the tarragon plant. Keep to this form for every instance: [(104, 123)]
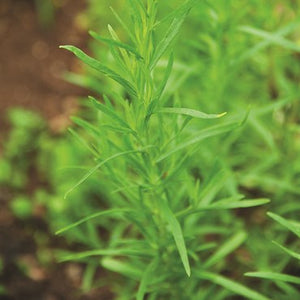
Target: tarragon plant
[(169, 233)]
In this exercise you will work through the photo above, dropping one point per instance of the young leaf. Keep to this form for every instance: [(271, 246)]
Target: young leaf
[(88, 126), (260, 46), (170, 35), (161, 87), (288, 251), (177, 234), (275, 276), (95, 64), (271, 107), (233, 243), (236, 204), (185, 7), (190, 112), (110, 212), (146, 279), (201, 135), (99, 165), (224, 204), (106, 252), (125, 27), (115, 43), (231, 285), (83, 142), (163, 84), (110, 112), (123, 268), (273, 38), (288, 224)]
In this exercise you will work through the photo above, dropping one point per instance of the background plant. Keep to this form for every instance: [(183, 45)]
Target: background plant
[(283, 281)]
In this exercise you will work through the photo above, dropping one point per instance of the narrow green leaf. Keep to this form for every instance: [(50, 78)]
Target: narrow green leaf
[(110, 212), (177, 234), (224, 204), (95, 64), (236, 204), (88, 277), (146, 279), (263, 131), (106, 252), (108, 102), (164, 82), (110, 112), (116, 128), (265, 43), (229, 246), (98, 166), (284, 222), (214, 182), (205, 247), (161, 87), (185, 7), (115, 43), (170, 35), (83, 142), (88, 126), (137, 13), (272, 183), (123, 268), (272, 37), (271, 107), (190, 112), (123, 24), (275, 276), (201, 135), (87, 82), (232, 286), (288, 251)]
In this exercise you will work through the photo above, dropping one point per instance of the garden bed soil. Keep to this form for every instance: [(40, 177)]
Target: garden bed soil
[(31, 67)]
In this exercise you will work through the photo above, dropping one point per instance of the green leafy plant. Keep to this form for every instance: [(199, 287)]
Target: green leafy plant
[(282, 280), (35, 168), (26, 126), (145, 143)]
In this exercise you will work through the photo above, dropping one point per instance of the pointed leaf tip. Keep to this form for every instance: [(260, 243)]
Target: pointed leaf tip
[(67, 47), (222, 114)]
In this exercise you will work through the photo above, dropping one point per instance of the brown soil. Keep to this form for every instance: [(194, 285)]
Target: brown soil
[(29, 269), (31, 67), (31, 64)]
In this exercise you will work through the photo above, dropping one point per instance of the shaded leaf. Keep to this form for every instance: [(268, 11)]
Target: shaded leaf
[(95, 64), (190, 112), (288, 251), (231, 285), (123, 268), (98, 166), (201, 135), (110, 212), (229, 246), (271, 37), (146, 279), (115, 43), (274, 276), (106, 252), (177, 234), (295, 228)]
